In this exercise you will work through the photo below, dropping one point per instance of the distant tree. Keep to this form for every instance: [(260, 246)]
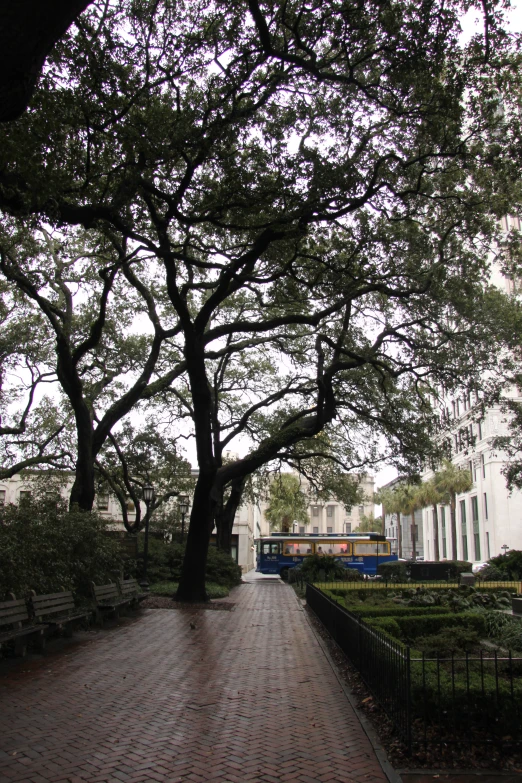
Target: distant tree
[(369, 524), (136, 456), (287, 503)]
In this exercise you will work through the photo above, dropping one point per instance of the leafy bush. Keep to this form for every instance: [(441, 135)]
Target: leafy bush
[(46, 548), (510, 564), (393, 571), (321, 568), (165, 562), (492, 574)]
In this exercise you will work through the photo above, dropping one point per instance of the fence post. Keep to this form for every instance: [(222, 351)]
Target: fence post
[(408, 701)]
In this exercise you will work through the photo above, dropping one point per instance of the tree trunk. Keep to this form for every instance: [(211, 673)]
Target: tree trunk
[(83, 489), (453, 518), (285, 524), (192, 582), (413, 538), (226, 515), (436, 552)]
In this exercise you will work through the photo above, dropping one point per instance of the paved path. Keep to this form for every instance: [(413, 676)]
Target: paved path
[(246, 696)]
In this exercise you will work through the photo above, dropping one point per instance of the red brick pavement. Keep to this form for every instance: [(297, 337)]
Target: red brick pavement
[(246, 696)]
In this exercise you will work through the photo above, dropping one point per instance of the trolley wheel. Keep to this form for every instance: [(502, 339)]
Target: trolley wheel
[(284, 574)]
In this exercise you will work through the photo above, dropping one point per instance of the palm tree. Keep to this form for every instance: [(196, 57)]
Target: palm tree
[(450, 482), (389, 500), (410, 500), (431, 496), (405, 499)]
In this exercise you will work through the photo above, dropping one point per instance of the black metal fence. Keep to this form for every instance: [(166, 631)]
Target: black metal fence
[(431, 701)]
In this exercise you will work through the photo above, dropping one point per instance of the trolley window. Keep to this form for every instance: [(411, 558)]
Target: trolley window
[(376, 548), (334, 548), (270, 548), (297, 548)]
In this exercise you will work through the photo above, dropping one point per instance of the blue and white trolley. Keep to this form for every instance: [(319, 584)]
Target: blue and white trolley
[(279, 552)]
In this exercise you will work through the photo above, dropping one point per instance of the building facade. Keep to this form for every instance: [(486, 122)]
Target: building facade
[(488, 517)]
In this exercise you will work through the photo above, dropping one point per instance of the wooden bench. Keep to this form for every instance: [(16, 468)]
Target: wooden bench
[(109, 600), (16, 624), (57, 610), (130, 588)]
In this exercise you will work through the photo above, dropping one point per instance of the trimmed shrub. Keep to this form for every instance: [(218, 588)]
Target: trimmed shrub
[(401, 571), (412, 628), (47, 548)]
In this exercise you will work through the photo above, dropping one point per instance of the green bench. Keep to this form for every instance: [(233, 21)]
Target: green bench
[(109, 599), (57, 610), (17, 625), (130, 588)]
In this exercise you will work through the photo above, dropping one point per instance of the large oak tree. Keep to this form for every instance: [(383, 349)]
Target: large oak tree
[(319, 182)]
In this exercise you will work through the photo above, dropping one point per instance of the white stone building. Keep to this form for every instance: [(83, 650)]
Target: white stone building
[(488, 517)]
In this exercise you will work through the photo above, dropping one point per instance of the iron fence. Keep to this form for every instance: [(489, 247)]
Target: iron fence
[(382, 584), (431, 701)]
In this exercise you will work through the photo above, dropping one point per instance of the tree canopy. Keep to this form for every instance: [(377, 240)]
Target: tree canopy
[(304, 198), (287, 503)]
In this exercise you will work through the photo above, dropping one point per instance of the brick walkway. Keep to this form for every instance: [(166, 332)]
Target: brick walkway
[(246, 696)]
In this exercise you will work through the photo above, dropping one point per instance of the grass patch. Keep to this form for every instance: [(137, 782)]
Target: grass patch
[(169, 588)]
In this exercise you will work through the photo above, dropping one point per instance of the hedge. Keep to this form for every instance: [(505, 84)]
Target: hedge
[(411, 627)]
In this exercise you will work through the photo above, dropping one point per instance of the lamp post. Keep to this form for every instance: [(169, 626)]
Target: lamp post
[(148, 495), (183, 507)]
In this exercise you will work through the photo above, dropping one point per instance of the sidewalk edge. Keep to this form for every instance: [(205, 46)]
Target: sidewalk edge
[(390, 772)]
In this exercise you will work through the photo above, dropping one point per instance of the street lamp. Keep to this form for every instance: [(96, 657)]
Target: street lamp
[(505, 548), (148, 495), (183, 507)]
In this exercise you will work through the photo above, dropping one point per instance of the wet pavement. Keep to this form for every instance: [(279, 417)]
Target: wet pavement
[(246, 695)]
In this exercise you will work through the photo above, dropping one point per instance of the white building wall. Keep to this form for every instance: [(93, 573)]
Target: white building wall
[(499, 512)]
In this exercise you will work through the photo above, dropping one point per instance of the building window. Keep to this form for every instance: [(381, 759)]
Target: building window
[(479, 425), (315, 511), (329, 511), (130, 505), (2, 497), (483, 463), (25, 495), (102, 502), (487, 545), (301, 531), (347, 527), (329, 529), (475, 521), (316, 530), (464, 531), (485, 506)]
